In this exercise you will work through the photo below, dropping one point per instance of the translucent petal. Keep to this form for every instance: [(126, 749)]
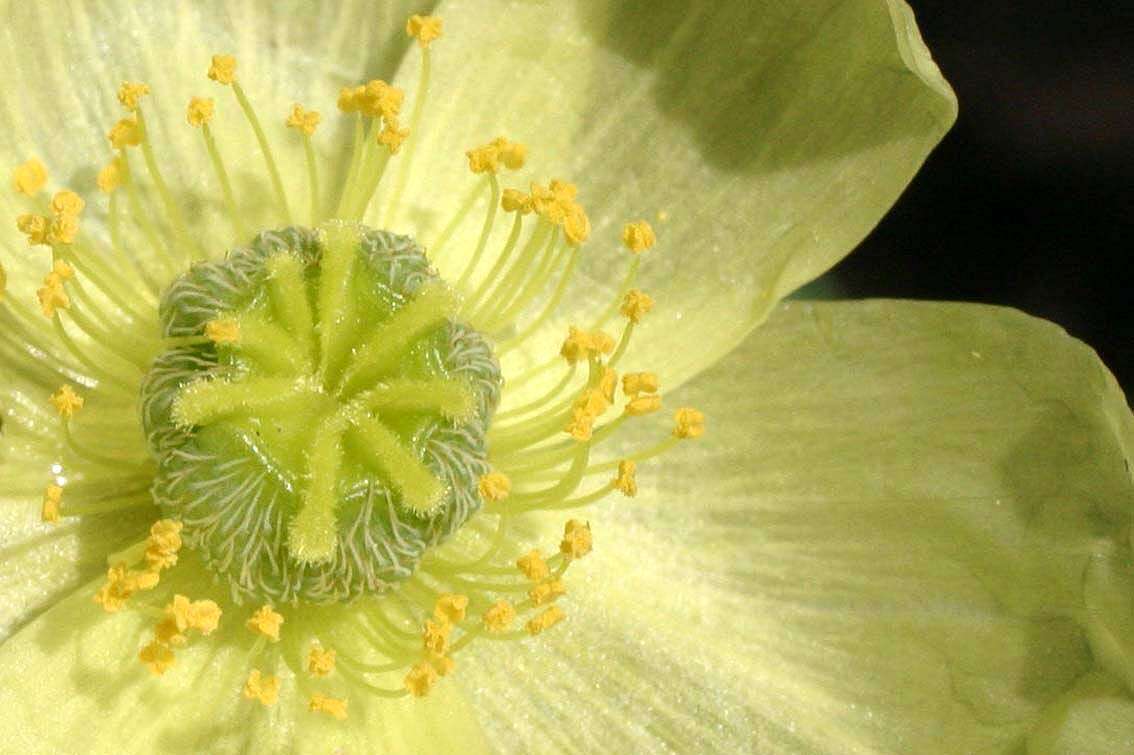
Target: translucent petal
[(62, 70), (772, 136), (879, 546), (72, 676)]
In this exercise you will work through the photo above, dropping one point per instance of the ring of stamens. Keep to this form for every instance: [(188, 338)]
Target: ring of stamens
[(319, 421)]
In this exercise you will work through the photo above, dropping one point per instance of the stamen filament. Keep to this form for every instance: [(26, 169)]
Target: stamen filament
[(463, 209), (473, 300), (543, 400), (485, 232), (627, 283), (93, 456), (356, 153), (414, 138), (115, 223), (548, 310), (265, 150), (96, 369), (508, 285), (226, 185), (312, 178), (172, 210), (142, 218)]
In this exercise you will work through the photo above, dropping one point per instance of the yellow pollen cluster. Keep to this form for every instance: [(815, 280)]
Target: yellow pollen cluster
[(499, 616), (52, 498), (547, 591), (126, 133), (576, 541), (634, 383), (533, 566), (262, 687), (489, 157), (223, 69), (638, 236), (200, 111), (448, 611), (130, 94), (627, 481), (52, 295), (494, 487), (421, 679), (63, 225), (303, 120), (391, 136), (425, 29), (266, 622), (581, 345), (66, 401), (549, 618), (557, 204), (110, 177), (121, 583), (320, 662), (29, 177), (332, 706), (375, 99), (514, 200), (451, 608), (163, 544), (688, 423), (636, 305), (223, 331), (181, 616)]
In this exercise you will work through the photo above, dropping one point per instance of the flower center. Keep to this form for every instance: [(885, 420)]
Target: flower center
[(319, 417)]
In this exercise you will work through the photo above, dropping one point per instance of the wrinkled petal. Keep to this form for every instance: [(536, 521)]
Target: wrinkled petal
[(772, 136), (879, 546)]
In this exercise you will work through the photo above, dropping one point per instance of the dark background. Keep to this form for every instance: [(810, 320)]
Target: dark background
[(1027, 201)]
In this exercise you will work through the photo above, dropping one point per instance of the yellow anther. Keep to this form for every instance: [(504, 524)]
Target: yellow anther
[(66, 401), (547, 591), (688, 423), (110, 177), (303, 120), (581, 344), (638, 236), (52, 497), (266, 622), (131, 93), (63, 270), (435, 638), (391, 137), (320, 662), (489, 157), (499, 616), (202, 615), (168, 633), (262, 687), (576, 541), (639, 406), (200, 111), (351, 99), (533, 566), (67, 202), (125, 133), (120, 584), (451, 607), (29, 177), (51, 296), (634, 383), (516, 201), (636, 305), (222, 331), (380, 100), (581, 426), (34, 227), (424, 29), (549, 618), (443, 664), (421, 679), (494, 486), (627, 480), (563, 191), (163, 544), (223, 69), (63, 229), (157, 657), (576, 225), (332, 706)]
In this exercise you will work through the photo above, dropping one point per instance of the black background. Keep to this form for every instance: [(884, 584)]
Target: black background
[(1027, 201)]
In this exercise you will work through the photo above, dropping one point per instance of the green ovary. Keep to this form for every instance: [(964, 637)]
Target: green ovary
[(329, 393)]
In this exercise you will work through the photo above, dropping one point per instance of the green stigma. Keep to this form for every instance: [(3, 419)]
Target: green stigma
[(319, 417)]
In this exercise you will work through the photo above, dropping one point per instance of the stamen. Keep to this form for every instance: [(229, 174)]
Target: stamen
[(320, 662), (223, 71), (199, 115), (306, 121), (263, 688), (29, 177), (266, 623)]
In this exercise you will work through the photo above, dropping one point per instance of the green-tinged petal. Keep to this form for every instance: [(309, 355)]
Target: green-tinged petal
[(772, 136), (63, 61), (891, 539), (73, 679)]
